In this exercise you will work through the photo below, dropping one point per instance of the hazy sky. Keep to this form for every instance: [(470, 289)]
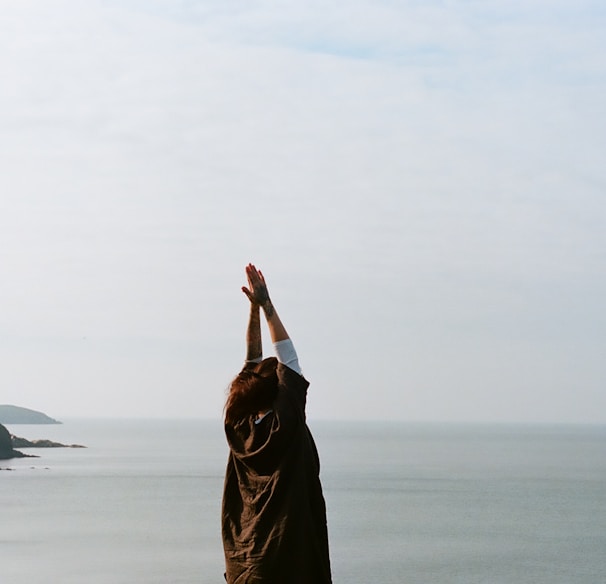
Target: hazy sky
[(423, 184)]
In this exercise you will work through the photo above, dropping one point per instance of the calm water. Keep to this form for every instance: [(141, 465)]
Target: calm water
[(407, 504)]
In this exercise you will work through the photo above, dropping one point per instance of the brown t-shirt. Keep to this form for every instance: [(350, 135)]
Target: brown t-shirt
[(273, 514)]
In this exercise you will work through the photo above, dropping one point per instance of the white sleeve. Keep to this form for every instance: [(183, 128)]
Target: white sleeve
[(286, 354)]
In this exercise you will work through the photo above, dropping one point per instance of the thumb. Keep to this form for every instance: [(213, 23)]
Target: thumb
[(248, 293)]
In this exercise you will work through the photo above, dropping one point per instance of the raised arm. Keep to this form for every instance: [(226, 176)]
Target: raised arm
[(259, 296), (254, 347)]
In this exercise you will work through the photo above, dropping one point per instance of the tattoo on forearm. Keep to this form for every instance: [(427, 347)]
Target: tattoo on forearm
[(268, 308), (254, 348), (262, 296)]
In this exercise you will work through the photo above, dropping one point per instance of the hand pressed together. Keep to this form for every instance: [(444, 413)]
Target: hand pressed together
[(257, 291), (259, 298)]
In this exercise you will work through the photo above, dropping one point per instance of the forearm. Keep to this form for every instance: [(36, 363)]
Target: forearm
[(254, 348), (276, 328)]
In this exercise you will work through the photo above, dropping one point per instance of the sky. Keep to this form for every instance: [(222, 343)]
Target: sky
[(422, 183)]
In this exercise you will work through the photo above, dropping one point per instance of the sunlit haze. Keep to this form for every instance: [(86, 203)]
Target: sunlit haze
[(422, 183)]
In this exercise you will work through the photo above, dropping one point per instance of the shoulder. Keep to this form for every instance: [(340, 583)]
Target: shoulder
[(292, 387), (288, 376)]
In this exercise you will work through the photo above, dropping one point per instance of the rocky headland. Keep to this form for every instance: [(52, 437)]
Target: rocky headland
[(25, 443), (9, 442), (16, 415), (6, 446)]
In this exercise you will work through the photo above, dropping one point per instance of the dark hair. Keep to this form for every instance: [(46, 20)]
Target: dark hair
[(254, 389)]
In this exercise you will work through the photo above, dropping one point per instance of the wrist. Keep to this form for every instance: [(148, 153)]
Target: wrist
[(268, 308)]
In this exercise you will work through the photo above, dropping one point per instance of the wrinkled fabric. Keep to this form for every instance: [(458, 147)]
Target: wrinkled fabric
[(273, 511)]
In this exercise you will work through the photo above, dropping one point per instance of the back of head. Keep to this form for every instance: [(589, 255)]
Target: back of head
[(253, 390)]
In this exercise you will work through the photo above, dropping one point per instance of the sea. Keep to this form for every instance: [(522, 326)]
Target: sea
[(407, 503)]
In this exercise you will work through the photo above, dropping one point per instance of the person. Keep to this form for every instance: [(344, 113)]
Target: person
[(273, 510)]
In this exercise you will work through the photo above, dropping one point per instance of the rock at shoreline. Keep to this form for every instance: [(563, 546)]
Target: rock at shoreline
[(6, 446), (17, 415), (25, 443)]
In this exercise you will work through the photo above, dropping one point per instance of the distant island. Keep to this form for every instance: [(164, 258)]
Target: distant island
[(16, 415)]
